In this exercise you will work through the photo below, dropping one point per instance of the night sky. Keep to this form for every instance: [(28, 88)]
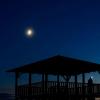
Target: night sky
[(66, 27)]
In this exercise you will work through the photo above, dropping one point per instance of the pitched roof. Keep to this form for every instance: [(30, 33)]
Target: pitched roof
[(58, 64)]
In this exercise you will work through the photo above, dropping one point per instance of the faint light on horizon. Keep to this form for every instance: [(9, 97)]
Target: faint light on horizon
[(91, 77)]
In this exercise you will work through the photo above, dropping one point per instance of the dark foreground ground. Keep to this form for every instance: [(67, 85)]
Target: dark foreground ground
[(5, 96)]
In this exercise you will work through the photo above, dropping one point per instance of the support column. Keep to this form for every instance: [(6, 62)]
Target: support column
[(43, 84), (67, 88), (43, 87), (58, 83), (30, 79), (16, 85), (83, 86), (46, 81), (76, 91), (30, 87)]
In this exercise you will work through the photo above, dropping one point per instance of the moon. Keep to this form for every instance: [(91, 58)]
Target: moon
[(30, 32)]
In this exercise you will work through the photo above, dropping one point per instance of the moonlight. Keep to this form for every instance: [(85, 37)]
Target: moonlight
[(30, 32)]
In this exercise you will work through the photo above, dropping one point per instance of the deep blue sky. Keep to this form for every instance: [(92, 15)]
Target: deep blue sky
[(67, 27)]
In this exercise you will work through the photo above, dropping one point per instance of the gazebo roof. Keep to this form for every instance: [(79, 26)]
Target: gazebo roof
[(58, 64)]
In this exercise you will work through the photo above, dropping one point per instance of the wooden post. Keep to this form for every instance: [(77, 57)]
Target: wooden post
[(16, 85), (46, 81), (83, 87), (43, 86), (30, 87), (58, 83), (67, 88), (30, 79), (43, 83), (76, 92)]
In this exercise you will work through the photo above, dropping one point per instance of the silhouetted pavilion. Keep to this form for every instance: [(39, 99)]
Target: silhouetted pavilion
[(54, 90)]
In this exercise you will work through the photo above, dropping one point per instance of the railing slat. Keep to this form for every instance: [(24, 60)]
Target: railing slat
[(52, 88)]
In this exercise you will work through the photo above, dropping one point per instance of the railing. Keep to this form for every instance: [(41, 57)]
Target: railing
[(53, 89)]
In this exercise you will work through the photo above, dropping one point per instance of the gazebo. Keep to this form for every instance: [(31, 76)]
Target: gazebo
[(56, 90)]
